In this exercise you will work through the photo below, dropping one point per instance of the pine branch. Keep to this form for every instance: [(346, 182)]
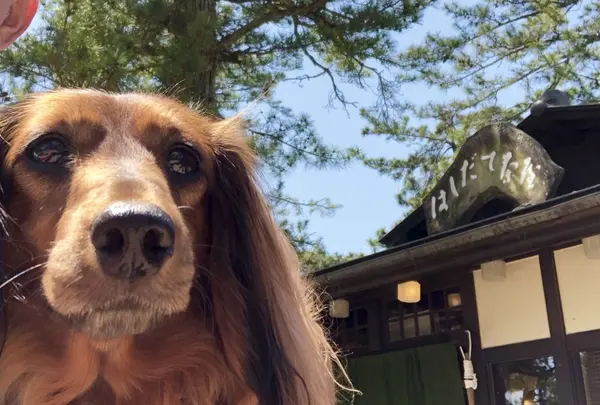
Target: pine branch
[(272, 15)]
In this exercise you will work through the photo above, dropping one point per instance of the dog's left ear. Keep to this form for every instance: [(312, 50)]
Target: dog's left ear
[(265, 314)]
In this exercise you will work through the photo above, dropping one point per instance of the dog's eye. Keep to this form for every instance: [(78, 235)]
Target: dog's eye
[(49, 150), (183, 160)]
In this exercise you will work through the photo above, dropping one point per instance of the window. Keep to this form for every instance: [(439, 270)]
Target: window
[(590, 369), (525, 382), (355, 331), (436, 312)]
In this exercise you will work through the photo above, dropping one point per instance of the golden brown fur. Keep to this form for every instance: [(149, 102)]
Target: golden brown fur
[(228, 320)]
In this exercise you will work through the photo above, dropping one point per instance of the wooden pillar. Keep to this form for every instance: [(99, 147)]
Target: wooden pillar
[(565, 385)]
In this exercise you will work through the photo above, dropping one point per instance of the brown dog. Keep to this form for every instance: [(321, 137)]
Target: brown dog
[(143, 265)]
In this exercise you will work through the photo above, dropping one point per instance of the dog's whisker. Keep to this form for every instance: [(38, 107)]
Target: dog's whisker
[(197, 286), (3, 224), (27, 251), (14, 268), (20, 274), (11, 219)]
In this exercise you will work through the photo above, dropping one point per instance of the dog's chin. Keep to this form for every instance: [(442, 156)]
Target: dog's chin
[(110, 324)]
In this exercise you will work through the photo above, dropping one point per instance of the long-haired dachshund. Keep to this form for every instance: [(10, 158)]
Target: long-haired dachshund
[(141, 264)]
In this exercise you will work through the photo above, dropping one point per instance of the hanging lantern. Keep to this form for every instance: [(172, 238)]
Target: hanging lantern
[(409, 292), (591, 247), (494, 270), (454, 300), (339, 308)]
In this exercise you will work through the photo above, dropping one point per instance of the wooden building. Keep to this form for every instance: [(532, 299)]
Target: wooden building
[(506, 249)]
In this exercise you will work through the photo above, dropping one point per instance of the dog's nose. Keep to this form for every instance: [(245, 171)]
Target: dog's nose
[(132, 240)]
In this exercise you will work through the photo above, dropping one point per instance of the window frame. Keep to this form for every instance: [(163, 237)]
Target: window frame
[(374, 339)]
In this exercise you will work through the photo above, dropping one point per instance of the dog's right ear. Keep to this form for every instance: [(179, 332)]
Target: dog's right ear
[(8, 120), (9, 117)]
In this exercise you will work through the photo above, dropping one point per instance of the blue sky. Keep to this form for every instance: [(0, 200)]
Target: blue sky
[(368, 199)]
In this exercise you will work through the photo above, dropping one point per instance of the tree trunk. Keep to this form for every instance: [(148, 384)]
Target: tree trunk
[(197, 36), (203, 80)]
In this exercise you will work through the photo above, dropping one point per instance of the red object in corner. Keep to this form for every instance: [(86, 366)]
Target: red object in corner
[(32, 7)]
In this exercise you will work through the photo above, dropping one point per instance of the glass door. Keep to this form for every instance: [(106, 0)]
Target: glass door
[(525, 382), (589, 365)]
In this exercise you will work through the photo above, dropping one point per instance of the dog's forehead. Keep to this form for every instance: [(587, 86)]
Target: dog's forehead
[(89, 113)]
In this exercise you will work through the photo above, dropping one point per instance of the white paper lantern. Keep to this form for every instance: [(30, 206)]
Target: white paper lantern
[(339, 308), (454, 300), (409, 292), (494, 270), (591, 247)]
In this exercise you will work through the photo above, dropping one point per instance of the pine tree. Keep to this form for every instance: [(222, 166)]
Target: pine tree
[(497, 45), (224, 54)]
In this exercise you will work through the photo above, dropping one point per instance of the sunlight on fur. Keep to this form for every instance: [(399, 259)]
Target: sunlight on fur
[(145, 265)]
